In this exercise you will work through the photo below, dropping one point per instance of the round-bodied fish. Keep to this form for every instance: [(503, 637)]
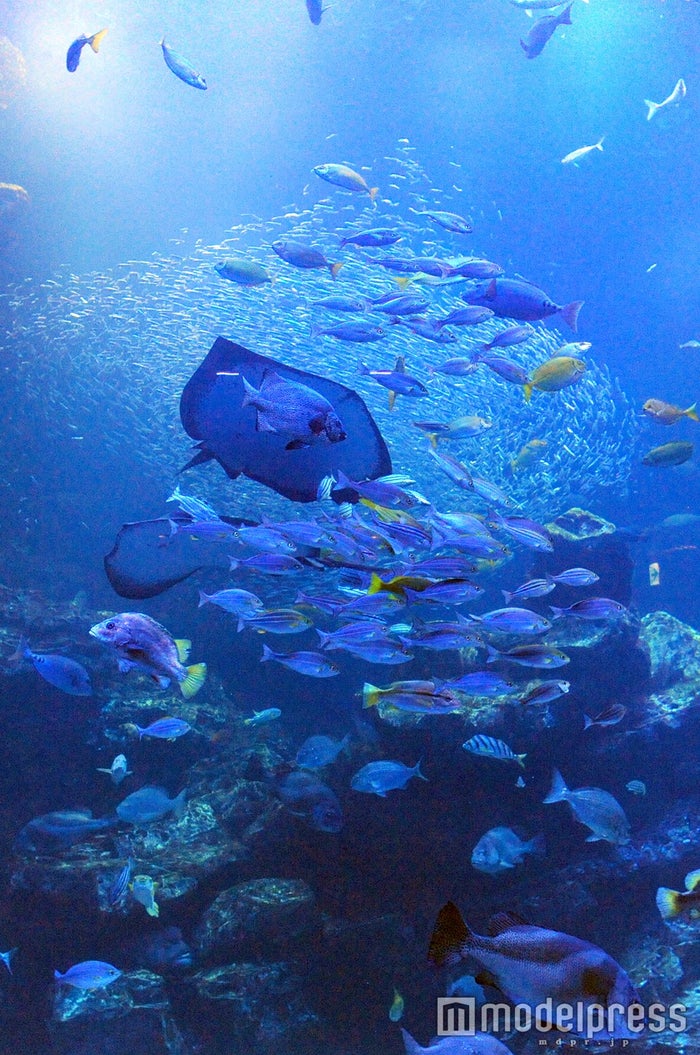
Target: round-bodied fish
[(139, 641), (293, 409)]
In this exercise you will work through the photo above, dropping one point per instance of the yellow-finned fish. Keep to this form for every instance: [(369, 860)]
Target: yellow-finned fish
[(399, 584), (576, 155), (673, 903), (555, 374), (397, 1005), (667, 413), (73, 53), (143, 890), (531, 452), (345, 177)]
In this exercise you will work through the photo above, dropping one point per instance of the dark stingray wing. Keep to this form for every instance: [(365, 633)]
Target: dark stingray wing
[(212, 414), (147, 558)]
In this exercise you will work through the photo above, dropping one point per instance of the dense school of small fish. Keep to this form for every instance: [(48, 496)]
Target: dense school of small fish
[(76, 340)]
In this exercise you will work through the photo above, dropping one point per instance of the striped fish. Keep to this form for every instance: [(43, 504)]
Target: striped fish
[(490, 747)]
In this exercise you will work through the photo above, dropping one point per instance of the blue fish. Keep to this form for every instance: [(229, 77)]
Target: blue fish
[(376, 778), (592, 608), (574, 577), (262, 717), (313, 664), (182, 68), (60, 671), (150, 804), (373, 239), (56, 831), (319, 751), (90, 974), (307, 796), (163, 728), (74, 51), (315, 9)]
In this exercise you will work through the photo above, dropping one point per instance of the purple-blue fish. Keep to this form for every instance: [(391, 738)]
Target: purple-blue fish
[(546, 691), (504, 368), (513, 621), (507, 338), (304, 256), (400, 304), (430, 329), (164, 728), (482, 683), (592, 608), (533, 965), (531, 588), (523, 530), (396, 381), (139, 641), (372, 239), (472, 315), (538, 656), (574, 577), (359, 332), (513, 298), (293, 410), (542, 30), (314, 664), (267, 563)]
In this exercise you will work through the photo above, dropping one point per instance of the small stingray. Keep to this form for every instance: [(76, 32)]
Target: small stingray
[(212, 412)]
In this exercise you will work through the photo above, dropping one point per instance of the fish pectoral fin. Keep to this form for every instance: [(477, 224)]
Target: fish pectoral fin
[(125, 665), (295, 445), (484, 978), (183, 648), (317, 425), (263, 425), (596, 982), (595, 838)]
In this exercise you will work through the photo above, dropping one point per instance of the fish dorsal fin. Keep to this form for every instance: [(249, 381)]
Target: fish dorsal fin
[(400, 365), (503, 921), (183, 648), (692, 880)]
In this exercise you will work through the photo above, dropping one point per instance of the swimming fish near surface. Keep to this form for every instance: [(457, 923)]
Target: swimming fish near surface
[(543, 30), (180, 66), (74, 51), (679, 92)]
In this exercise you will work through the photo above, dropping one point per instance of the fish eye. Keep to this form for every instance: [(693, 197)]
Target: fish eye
[(110, 625)]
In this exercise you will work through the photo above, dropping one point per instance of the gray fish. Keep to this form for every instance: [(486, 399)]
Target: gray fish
[(307, 796), (293, 409), (500, 849), (376, 778), (55, 831), (183, 69), (595, 808), (542, 30), (149, 804), (319, 751)]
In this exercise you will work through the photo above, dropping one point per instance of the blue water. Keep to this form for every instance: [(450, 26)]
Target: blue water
[(137, 185)]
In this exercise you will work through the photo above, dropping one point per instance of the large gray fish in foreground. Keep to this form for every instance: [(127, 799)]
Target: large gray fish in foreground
[(533, 965)]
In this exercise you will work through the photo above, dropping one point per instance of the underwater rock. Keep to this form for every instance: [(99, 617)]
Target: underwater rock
[(577, 524), (673, 649), (260, 1006), (137, 989), (256, 915)]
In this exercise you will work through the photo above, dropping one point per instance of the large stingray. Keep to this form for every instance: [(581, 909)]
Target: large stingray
[(212, 412)]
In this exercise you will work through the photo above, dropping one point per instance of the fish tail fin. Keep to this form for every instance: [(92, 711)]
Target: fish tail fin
[(335, 268), (375, 584), (492, 654), (558, 791), (507, 596), (569, 314), (557, 613), (417, 770), (599, 144), (520, 759), (692, 880), (153, 909), (22, 651), (96, 39), (692, 412), (527, 391), (196, 676), (373, 192), (183, 648), (587, 722), (403, 280), (323, 638), (234, 563), (565, 16), (668, 902), (651, 108), (450, 939), (266, 654), (203, 598), (537, 845), (179, 807), (58, 977), (315, 330), (370, 695)]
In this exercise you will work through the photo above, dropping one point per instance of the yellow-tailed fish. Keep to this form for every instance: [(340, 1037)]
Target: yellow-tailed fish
[(396, 1009), (554, 375)]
